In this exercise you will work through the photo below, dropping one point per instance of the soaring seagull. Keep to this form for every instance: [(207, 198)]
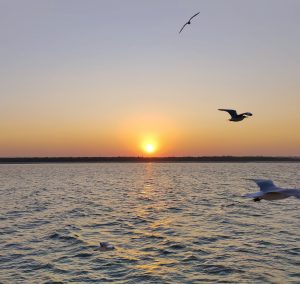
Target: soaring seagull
[(235, 116), (269, 191), (188, 22)]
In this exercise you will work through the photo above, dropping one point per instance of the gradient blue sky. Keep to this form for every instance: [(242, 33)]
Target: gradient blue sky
[(87, 78)]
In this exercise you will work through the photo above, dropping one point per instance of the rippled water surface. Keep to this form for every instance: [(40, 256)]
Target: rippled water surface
[(170, 223)]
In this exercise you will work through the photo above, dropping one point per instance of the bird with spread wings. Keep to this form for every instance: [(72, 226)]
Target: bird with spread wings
[(269, 191), (188, 22), (235, 116)]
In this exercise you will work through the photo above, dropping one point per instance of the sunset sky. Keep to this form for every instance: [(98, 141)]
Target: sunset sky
[(109, 77)]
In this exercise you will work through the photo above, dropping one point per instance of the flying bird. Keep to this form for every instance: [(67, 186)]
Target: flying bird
[(188, 22), (235, 116), (269, 191)]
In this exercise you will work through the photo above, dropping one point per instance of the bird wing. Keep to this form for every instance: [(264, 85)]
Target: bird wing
[(194, 16), (247, 113), (266, 185), (232, 112), (291, 192), (182, 27)]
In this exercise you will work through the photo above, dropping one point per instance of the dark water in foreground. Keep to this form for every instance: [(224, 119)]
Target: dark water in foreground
[(170, 223)]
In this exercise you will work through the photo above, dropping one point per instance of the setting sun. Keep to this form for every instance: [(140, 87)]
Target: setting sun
[(149, 143), (149, 148)]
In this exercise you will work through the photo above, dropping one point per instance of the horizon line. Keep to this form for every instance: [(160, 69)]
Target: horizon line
[(137, 159)]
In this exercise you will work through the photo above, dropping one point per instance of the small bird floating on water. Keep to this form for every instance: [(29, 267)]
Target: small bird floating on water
[(188, 22), (106, 246), (235, 116), (269, 191)]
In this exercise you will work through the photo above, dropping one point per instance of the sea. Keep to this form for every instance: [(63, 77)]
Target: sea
[(168, 222)]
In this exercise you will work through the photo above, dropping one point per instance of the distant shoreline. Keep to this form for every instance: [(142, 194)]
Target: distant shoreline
[(186, 159)]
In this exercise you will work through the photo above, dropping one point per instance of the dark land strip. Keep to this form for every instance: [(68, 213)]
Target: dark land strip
[(186, 159)]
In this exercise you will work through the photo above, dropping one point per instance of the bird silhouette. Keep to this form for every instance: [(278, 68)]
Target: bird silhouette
[(235, 116), (188, 22)]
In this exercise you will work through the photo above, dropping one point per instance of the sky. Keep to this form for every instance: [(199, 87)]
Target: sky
[(108, 77)]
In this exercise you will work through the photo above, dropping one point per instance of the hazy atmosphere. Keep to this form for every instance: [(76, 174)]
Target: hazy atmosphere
[(111, 78)]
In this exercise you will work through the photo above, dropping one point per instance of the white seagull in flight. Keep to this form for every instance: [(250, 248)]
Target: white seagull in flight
[(269, 191), (235, 116), (188, 22)]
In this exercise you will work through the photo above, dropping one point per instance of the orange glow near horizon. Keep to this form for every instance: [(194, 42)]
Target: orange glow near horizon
[(153, 133), (149, 144), (146, 134)]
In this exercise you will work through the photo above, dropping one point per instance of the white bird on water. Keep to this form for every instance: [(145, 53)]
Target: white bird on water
[(106, 246), (269, 191), (235, 116)]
